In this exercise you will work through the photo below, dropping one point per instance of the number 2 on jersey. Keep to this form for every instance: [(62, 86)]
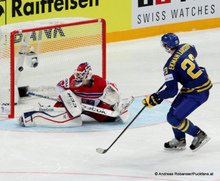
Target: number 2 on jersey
[(191, 66)]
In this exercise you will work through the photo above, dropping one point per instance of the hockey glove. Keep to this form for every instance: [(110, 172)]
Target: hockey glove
[(152, 100)]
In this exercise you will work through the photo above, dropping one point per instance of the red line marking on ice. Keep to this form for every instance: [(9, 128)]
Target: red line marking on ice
[(89, 174)]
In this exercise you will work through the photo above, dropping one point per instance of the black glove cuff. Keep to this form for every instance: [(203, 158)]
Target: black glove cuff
[(156, 97)]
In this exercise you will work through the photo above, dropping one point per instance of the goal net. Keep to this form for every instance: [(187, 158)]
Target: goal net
[(39, 54)]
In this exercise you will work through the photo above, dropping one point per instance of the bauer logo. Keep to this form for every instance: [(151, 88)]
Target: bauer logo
[(72, 100), (27, 8)]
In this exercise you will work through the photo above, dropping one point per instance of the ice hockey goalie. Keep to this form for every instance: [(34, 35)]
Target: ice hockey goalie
[(83, 93)]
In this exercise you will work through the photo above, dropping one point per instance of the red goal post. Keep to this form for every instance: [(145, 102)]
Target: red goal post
[(58, 45)]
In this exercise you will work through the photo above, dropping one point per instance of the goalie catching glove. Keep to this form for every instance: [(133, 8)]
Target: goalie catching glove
[(152, 100), (111, 95)]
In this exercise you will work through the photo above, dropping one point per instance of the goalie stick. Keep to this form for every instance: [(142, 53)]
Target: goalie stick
[(102, 151), (85, 107)]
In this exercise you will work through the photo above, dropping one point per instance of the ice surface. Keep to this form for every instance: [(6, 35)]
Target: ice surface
[(70, 155)]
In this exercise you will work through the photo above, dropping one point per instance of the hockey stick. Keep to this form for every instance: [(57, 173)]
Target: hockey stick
[(85, 107), (42, 96), (102, 151)]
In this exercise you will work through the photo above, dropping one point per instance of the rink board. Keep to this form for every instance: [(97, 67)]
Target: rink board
[(148, 117)]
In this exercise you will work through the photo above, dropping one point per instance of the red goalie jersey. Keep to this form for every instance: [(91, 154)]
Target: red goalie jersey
[(89, 88)]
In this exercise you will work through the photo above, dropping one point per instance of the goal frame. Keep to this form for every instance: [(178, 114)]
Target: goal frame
[(26, 30)]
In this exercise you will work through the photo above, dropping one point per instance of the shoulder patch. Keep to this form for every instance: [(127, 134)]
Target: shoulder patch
[(168, 77)]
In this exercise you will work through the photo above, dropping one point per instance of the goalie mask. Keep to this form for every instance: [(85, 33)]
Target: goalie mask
[(83, 73)]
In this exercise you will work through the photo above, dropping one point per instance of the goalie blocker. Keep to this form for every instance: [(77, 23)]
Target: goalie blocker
[(70, 114)]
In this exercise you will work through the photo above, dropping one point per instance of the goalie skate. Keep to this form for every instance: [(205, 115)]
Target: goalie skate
[(26, 123), (21, 121)]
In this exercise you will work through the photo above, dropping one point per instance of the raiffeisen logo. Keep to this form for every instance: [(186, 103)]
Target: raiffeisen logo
[(1, 10), (21, 8)]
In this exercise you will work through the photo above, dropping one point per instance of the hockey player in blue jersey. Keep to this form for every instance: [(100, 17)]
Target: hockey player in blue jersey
[(182, 68)]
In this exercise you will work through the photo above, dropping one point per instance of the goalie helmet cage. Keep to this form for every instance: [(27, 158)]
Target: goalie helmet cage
[(56, 45)]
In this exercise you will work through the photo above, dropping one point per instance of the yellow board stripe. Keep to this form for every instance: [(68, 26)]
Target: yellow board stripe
[(158, 30)]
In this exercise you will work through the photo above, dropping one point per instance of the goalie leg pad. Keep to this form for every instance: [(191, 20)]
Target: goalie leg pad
[(56, 118), (71, 103)]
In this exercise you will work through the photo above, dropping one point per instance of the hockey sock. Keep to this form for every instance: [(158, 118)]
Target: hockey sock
[(188, 127)]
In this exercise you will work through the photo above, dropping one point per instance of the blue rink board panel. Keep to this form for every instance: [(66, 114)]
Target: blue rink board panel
[(155, 115)]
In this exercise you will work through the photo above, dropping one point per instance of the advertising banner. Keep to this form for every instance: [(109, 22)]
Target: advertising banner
[(2, 12), (116, 13), (147, 13)]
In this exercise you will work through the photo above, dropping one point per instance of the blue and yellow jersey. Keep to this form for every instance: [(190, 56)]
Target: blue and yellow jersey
[(182, 67)]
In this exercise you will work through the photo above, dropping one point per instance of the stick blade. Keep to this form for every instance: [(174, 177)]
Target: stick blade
[(101, 150)]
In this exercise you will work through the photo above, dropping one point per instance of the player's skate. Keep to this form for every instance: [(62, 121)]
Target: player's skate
[(175, 144), (199, 140)]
